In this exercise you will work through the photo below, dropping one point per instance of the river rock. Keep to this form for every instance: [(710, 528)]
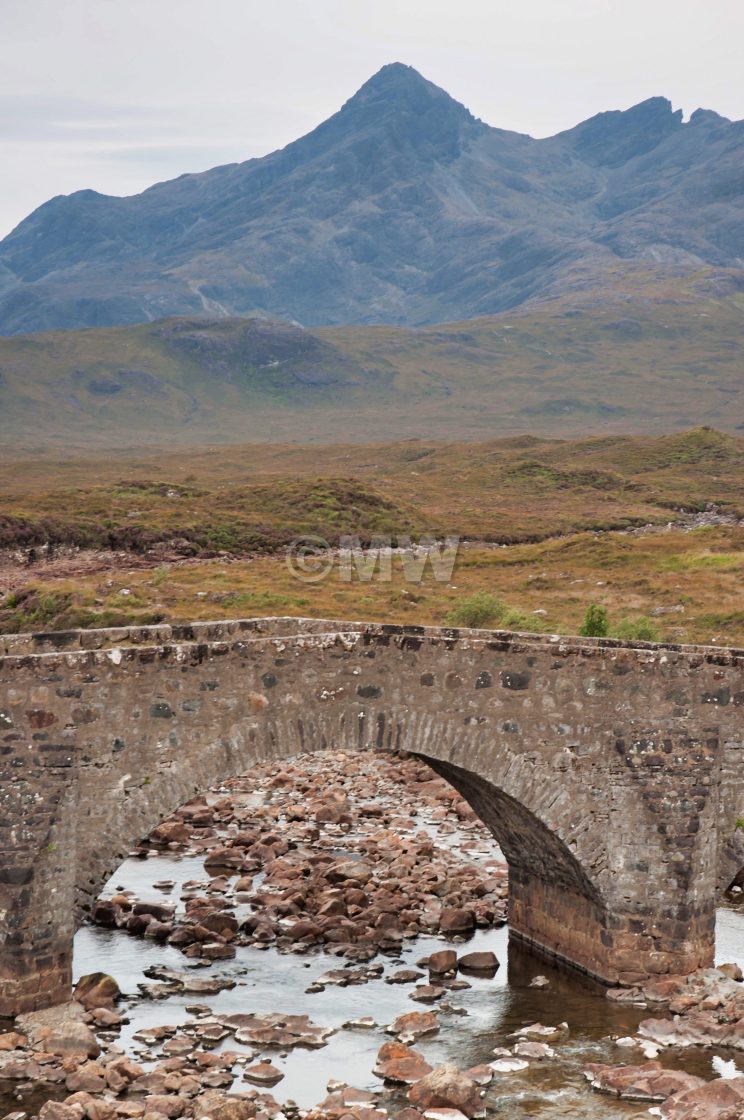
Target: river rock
[(12, 1040), (509, 1065), (97, 989), (455, 920), (404, 976), (484, 963), (106, 913), (350, 869), (284, 1031), (160, 911), (647, 1082), (400, 1063), (447, 1087), (71, 1038), (121, 1072), (542, 1033), (426, 993), (714, 1100), (224, 857), (223, 1106), (171, 1106), (105, 1019), (263, 1073), (87, 1078), (95, 1107), (414, 1025), (441, 962), (55, 1110), (482, 1075), (170, 832), (534, 1050)]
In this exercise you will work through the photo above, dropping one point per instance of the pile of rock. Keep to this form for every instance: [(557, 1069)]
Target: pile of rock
[(705, 1009), (391, 885), (682, 1096)]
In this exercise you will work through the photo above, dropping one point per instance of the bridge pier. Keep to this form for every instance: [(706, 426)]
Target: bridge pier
[(612, 948), (610, 774), (30, 981)]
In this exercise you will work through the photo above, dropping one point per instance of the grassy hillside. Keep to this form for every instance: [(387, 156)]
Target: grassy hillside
[(667, 358), (667, 586), (203, 534), (258, 497)]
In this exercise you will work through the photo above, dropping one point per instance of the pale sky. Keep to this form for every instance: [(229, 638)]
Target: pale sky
[(118, 94)]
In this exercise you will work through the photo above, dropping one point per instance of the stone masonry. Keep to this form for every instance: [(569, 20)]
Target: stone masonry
[(610, 773)]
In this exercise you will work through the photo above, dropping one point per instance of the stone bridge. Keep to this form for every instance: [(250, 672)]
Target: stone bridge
[(610, 773)]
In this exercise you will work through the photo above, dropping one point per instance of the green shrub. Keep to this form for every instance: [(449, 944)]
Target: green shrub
[(481, 609), (640, 629), (517, 620), (595, 624)]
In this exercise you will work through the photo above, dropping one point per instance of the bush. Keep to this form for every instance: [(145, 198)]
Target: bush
[(640, 629), (476, 611), (595, 624), (518, 620)]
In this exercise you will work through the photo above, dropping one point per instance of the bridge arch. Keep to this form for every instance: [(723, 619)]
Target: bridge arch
[(599, 767)]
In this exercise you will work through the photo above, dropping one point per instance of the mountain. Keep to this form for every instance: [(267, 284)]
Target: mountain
[(665, 358), (402, 208)]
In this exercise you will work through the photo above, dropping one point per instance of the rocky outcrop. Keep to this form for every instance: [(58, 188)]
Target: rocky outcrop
[(495, 218)]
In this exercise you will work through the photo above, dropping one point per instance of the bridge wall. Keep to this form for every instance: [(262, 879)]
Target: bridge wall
[(609, 773)]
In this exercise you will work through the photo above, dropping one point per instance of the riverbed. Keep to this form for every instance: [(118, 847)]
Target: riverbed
[(474, 1020), (483, 1017)]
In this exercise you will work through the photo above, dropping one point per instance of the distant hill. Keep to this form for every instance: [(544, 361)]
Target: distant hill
[(402, 208), (667, 359)]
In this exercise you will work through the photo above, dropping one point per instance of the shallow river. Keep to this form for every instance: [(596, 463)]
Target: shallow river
[(269, 981)]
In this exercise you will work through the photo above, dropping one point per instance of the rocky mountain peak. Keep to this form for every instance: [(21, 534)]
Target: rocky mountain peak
[(613, 138), (399, 102), (402, 207)]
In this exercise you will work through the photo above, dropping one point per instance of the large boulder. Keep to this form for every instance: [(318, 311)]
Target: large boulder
[(714, 1100), (170, 832), (447, 1087), (485, 964), (87, 1078), (455, 920), (443, 961), (70, 1038), (397, 1062), (348, 869), (96, 1107), (55, 1110), (647, 1082), (413, 1025), (97, 989)]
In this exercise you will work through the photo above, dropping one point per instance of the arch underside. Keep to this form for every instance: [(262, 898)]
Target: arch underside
[(553, 904)]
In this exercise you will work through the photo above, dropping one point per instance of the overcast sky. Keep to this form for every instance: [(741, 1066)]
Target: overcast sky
[(117, 94)]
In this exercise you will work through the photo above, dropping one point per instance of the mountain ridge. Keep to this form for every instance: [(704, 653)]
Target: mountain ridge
[(401, 208)]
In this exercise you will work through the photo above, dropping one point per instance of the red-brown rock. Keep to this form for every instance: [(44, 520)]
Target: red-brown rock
[(447, 1087), (397, 1062)]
